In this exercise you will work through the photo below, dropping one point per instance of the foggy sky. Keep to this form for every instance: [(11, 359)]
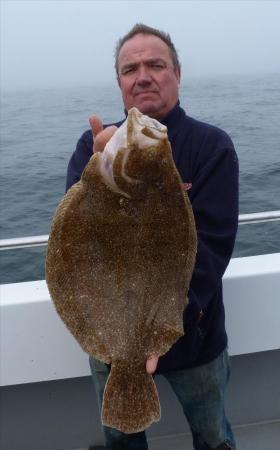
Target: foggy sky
[(55, 43)]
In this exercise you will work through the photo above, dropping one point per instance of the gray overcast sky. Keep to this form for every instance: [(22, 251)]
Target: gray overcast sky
[(54, 43)]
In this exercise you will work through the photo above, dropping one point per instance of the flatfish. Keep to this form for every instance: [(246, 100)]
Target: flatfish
[(120, 258)]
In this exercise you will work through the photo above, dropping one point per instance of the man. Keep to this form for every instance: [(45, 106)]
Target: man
[(148, 74)]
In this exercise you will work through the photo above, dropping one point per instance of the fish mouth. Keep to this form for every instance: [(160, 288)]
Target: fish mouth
[(137, 129)]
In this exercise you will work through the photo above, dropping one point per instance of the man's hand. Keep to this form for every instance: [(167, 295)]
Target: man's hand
[(101, 136), (151, 364)]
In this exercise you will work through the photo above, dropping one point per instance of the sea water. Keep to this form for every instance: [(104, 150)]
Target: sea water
[(40, 129)]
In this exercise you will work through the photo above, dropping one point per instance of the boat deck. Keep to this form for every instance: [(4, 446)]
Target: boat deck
[(264, 436), (259, 436)]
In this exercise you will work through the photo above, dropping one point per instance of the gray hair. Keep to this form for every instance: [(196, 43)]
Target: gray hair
[(140, 28)]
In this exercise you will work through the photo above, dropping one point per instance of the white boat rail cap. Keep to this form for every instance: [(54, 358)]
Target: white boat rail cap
[(39, 241)]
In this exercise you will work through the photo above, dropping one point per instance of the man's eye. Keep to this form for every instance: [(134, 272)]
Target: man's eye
[(157, 65), (128, 70)]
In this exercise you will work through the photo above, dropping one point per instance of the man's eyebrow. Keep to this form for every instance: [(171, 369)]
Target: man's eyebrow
[(146, 61), (155, 60), (128, 66)]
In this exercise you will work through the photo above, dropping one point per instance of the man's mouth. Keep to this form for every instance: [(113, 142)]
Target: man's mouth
[(145, 93)]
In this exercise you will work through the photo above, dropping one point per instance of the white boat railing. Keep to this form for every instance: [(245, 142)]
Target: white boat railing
[(24, 242), (40, 241)]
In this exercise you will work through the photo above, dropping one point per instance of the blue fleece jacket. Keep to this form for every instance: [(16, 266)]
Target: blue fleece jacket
[(206, 160)]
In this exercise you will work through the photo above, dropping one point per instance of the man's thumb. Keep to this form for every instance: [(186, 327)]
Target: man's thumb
[(96, 125)]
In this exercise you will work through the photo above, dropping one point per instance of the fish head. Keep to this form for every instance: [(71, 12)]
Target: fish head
[(138, 152), (143, 131)]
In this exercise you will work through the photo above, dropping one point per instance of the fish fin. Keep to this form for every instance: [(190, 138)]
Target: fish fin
[(130, 401)]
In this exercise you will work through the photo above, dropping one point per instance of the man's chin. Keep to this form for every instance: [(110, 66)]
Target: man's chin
[(148, 108)]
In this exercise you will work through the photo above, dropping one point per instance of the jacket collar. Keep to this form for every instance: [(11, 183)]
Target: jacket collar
[(172, 120)]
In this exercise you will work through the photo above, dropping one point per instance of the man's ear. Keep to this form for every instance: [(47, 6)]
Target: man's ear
[(178, 74)]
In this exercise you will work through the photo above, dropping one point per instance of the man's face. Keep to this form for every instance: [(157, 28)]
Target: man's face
[(147, 77)]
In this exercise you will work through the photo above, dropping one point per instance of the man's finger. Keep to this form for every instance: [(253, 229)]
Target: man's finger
[(151, 364), (96, 125), (103, 137)]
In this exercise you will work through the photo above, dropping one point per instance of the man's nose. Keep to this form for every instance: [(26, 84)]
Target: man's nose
[(143, 76)]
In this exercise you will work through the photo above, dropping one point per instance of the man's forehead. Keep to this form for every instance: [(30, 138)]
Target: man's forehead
[(143, 45)]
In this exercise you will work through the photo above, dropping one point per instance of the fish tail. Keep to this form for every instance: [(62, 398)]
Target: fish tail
[(130, 401)]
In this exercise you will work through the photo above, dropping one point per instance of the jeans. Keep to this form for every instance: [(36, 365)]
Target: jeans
[(200, 391)]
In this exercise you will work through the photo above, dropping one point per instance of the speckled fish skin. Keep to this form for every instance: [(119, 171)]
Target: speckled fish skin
[(120, 258)]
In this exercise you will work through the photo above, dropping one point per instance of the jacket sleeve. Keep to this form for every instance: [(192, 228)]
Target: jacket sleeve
[(214, 200), (79, 159)]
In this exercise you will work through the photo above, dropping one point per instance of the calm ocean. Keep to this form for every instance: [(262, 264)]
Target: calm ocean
[(39, 131)]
